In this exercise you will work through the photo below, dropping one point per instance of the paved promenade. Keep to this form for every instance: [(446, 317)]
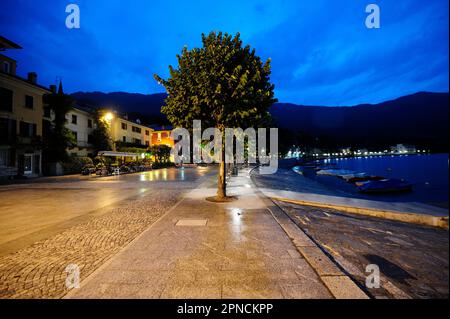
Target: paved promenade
[(49, 224), (200, 249), (286, 185)]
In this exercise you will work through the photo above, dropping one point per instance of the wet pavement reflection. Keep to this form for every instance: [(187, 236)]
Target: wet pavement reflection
[(33, 206)]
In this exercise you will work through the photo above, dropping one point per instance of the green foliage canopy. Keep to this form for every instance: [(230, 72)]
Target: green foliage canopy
[(59, 138), (100, 138), (223, 83)]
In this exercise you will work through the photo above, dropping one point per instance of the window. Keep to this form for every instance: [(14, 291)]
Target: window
[(28, 102), (8, 130), (74, 119), (136, 141), (147, 143), (147, 132), (89, 123), (159, 137), (124, 126), (90, 138), (6, 67), (27, 129), (136, 129), (6, 100), (4, 157), (124, 139), (24, 129)]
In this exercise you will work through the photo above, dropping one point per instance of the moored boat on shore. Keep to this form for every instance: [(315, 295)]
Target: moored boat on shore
[(385, 186), (335, 172), (360, 179)]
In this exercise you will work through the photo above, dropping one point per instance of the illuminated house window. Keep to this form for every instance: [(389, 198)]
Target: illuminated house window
[(159, 137), (136, 129)]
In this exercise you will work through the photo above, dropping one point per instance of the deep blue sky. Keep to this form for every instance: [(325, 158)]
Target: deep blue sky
[(322, 53)]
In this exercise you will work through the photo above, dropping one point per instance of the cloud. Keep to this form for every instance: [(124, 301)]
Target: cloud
[(322, 53)]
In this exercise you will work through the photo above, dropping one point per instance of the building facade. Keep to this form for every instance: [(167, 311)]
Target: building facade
[(21, 119), (124, 131), (161, 136), (81, 123)]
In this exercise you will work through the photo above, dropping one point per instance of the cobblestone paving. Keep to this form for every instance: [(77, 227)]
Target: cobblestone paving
[(413, 259), (38, 271)]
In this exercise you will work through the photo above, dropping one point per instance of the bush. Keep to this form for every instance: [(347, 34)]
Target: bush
[(75, 164)]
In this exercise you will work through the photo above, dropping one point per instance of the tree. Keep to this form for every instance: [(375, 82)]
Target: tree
[(58, 138), (161, 153), (224, 84), (100, 138)]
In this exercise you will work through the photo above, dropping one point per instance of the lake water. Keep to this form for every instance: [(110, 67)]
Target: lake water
[(429, 175)]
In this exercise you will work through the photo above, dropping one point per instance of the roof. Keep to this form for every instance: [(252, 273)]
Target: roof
[(161, 127), (8, 44), (83, 108), (26, 81)]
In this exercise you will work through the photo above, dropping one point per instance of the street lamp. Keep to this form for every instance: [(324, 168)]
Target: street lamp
[(109, 116)]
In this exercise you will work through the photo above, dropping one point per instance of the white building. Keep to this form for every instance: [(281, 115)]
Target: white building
[(403, 149), (81, 123)]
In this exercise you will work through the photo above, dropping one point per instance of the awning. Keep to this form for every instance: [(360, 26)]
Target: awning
[(111, 153)]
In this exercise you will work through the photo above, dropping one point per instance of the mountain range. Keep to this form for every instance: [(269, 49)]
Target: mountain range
[(420, 119)]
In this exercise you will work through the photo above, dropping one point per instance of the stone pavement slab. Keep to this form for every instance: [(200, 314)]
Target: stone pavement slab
[(239, 252)]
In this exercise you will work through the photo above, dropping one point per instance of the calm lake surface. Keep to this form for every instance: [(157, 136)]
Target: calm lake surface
[(429, 175)]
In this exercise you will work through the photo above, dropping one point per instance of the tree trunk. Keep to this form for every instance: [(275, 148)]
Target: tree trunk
[(221, 178)]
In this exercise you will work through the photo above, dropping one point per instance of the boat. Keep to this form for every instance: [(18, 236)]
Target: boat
[(385, 186), (334, 172), (325, 166), (359, 179), (348, 177)]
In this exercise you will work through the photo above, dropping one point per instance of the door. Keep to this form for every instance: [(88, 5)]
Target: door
[(28, 164)]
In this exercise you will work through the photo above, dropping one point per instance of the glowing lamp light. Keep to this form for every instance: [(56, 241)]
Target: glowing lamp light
[(109, 116)]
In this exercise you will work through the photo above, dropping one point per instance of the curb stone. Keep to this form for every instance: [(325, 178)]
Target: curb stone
[(421, 219), (338, 283)]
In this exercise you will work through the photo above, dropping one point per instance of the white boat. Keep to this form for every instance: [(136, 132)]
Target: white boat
[(335, 172), (348, 177)]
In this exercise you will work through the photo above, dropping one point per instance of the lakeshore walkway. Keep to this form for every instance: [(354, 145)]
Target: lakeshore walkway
[(291, 187), (200, 249)]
